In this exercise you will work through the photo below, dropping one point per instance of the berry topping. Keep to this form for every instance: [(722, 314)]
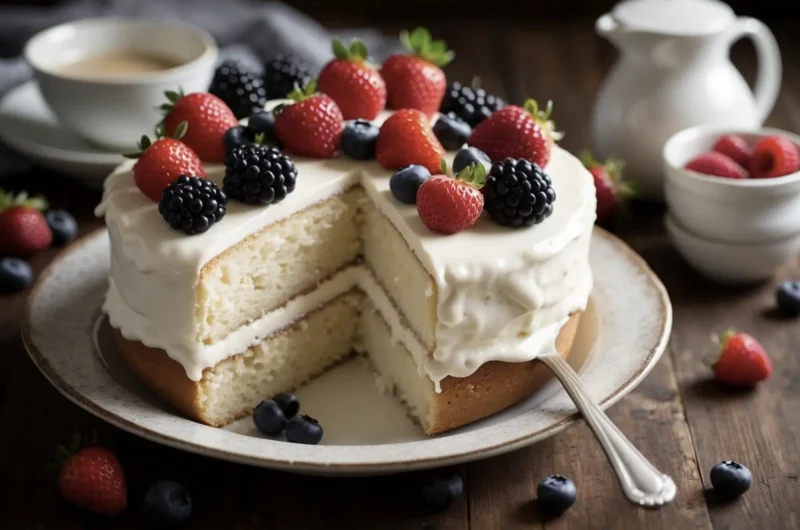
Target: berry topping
[(717, 165), (192, 204), (241, 89), (518, 193), (611, 191), (15, 275), (269, 418), (471, 104), (162, 162), (283, 72), (257, 174), (440, 490), (359, 139), (262, 123), (405, 183), (63, 226), (774, 156), (303, 430), (730, 479), (742, 361), (788, 297), (354, 84), (450, 204), (556, 494), (452, 132), (312, 126), (23, 228), (235, 136), (416, 81), (166, 504), (517, 132), (288, 403), (207, 117), (734, 147), (406, 138), (471, 155)]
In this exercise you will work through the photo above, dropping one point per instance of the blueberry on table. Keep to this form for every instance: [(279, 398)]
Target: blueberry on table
[(406, 181), (269, 418), (440, 490), (788, 298), (304, 430), (468, 156), (262, 123), (288, 403), (452, 132), (63, 226), (15, 275), (359, 138), (234, 137), (556, 494), (166, 504), (730, 479)]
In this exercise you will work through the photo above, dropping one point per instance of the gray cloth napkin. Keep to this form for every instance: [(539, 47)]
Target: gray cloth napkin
[(251, 31)]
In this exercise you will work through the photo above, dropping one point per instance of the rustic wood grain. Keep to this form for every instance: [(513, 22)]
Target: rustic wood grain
[(677, 417)]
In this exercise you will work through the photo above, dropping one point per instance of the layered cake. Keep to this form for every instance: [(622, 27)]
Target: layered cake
[(325, 257)]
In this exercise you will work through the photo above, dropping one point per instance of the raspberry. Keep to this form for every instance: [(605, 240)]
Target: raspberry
[(716, 165), (774, 156)]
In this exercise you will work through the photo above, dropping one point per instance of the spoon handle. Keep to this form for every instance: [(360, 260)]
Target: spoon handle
[(641, 482)]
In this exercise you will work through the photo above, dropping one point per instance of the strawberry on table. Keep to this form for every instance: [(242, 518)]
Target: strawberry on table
[(355, 85), (416, 81), (716, 165), (774, 156), (742, 361), (612, 192), (312, 125), (451, 204), (517, 132), (406, 138), (735, 147), (23, 227), (207, 117)]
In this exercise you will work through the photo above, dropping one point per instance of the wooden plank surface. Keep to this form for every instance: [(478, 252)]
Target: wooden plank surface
[(676, 416)]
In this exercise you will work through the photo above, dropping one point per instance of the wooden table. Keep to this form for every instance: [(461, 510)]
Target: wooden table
[(678, 417)]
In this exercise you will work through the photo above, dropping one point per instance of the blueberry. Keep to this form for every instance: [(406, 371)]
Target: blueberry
[(556, 494), (15, 275), (234, 137), (452, 132), (359, 138), (304, 430), (788, 296), (730, 479), (288, 403), (471, 155), (263, 123), (406, 181), (166, 504), (63, 226), (268, 417), (441, 490)]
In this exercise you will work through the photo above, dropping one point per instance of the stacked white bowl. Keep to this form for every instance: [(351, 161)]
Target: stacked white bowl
[(730, 230)]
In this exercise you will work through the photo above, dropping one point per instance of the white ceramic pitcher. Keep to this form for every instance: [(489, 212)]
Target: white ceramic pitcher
[(674, 72)]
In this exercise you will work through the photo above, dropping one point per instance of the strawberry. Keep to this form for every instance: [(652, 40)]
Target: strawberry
[(208, 118), (735, 147), (23, 228), (417, 81), (774, 156), (312, 125), (517, 132), (717, 165), (161, 162), (91, 478), (450, 204), (611, 190), (406, 138), (742, 361), (355, 85)]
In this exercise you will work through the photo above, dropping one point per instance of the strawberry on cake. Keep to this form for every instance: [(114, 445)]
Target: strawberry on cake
[(333, 230)]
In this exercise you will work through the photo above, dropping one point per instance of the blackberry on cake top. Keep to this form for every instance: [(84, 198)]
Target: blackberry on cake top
[(518, 193), (207, 120), (310, 126), (470, 103), (192, 204), (283, 73), (352, 82), (257, 174), (240, 88)]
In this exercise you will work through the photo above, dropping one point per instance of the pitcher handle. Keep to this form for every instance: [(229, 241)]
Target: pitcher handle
[(768, 77)]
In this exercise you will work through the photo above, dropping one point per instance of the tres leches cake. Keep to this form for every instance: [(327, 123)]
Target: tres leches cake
[(275, 264)]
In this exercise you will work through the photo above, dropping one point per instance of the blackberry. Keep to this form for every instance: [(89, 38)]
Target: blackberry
[(257, 174), (470, 103), (518, 193), (241, 89), (282, 72), (192, 204)]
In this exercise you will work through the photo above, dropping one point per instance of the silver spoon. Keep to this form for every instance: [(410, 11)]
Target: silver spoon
[(641, 482)]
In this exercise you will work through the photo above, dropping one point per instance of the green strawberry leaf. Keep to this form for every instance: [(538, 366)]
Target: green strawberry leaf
[(340, 51), (474, 175), (420, 43), (358, 50), (9, 199), (180, 130)]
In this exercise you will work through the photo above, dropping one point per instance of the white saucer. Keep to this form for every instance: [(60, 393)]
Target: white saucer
[(28, 126), (622, 335)]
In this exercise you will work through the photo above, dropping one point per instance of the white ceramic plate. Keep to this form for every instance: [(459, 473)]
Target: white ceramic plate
[(622, 336), (28, 126)]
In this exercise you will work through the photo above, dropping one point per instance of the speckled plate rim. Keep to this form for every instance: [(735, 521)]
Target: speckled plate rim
[(643, 285)]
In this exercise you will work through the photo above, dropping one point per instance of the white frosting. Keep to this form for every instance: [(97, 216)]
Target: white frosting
[(502, 293)]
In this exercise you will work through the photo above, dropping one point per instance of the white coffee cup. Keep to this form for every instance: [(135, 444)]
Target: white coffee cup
[(114, 111)]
